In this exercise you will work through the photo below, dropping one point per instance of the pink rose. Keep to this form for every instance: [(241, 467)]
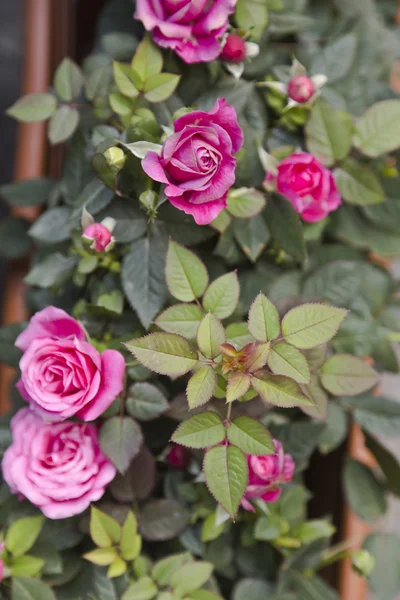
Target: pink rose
[(301, 88), (196, 161), (101, 237), (62, 374), (192, 28), (308, 185), (58, 467), (266, 474), (234, 49)]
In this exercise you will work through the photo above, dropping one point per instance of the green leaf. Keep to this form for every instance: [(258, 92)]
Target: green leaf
[(162, 520), (9, 354), (287, 360), (320, 398), (28, 566), (252, 589), (183, 319), (164, 568), (329, 133), (191, 576), (25, 588), (117, 568), (346, 375), (313, 588), (33, 107), (226, 473), (148, 59), (15, 241), (252, 236), (55, 269), (204, 595), (201, 386), (222, 222), (279, 391), (104, 530), (252, 15), (138, 482), (335, 60), (160, 87), (143, 589), (98, 82), (164, 353), (244, 203), (210, 336), (250, 436), (143, 277), (263, 319), (312, 324), (125, 80), (222, 296), (257, 357), (238, 386), (384, 580), (145, 401), (130, 544), (238, 333), (336, 428), (120, 440), (186, 275), (200, 431), (119, 45), (285, 226), (388, 463), (53, 226), (63, 124), (268, 528), (121, 104), (22, 534), (30, 192), (358, 184), (377, 415), (211, 529), (364, 493), (378, 129), (68, 80), (101, 556)]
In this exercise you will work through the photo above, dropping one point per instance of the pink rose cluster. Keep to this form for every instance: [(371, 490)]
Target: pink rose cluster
[(192, 28), (197, 163), (308, 185), (58, 465), (266, 475)]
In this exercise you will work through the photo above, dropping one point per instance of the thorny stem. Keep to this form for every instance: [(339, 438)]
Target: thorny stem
[(228, 414)]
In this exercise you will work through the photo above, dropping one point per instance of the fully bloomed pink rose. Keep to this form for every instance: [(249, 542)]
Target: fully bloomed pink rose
[(197, 163), (266, 474), (308, 185), (192, 28), (58, 467), (61, 373)]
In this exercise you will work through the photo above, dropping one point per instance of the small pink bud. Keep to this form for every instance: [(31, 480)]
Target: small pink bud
[(178, 457), (234, 49), (301, 88), (99, 234)]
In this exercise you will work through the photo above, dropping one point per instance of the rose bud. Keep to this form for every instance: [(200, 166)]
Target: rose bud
[(100, 234), (178, 457), (301, 89), (234, 49)]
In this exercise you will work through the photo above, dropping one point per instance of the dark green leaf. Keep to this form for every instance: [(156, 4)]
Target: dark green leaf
[(285, 226), (30, 192), (364, 493), (120, 440), (162, 520)]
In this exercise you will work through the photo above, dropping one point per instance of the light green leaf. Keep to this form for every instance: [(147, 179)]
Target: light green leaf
[(320, 398), (25, 588), (33, 107), (226, 473), (238, 385), (28, 566), (201, 386), (160, 87), (378, 129), (329, 133), (222, 222), (120, 104), (285, 226), (183, 319), (117, 568), (287, 360), (125, 79), (63, 124), (22, 534), (279, 391), (346, 375), (104, 530), (364, 493), (263, 319), (252, 236), (164, 568), (164, 353), (252, 15), (269, 527), (222, 295), (101, 556), (148, 59), (140, 149), (145, 401), (120, 440), (210, 336), (68, 80), (204, 595), (244, 203), (238, 333), (211, 529), (200, 431), (358, 184), (186, 275), (311, 324), (251, 436), (130, 544), (191, 576)]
